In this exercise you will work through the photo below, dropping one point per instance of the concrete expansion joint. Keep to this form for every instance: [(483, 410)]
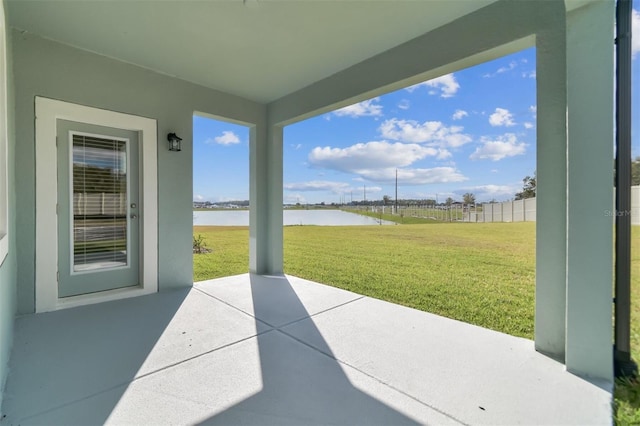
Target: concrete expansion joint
[(75, 401), (175, 364), (234, 307), (329, 354), (283, 325), (142, 376), (377, 379), (318, 313)]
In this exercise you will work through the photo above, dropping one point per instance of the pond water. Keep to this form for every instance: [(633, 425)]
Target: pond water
[(290, 217)]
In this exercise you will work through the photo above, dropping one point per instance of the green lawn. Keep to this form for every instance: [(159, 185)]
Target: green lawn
[(229, 255), (479, 273), (476, 274)]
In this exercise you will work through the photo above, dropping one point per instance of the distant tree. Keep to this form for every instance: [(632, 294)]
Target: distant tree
[(635, 171), (386, 199), (469, 198), (528, 188), (449, 201)]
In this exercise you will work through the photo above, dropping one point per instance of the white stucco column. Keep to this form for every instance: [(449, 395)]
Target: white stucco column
[(551, 193), (265, 192), (590, 47)]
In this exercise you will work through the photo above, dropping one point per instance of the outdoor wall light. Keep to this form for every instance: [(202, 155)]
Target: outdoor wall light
[(175, 142)]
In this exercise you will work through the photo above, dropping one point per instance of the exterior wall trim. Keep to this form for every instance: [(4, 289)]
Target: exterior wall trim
[(4, 142)]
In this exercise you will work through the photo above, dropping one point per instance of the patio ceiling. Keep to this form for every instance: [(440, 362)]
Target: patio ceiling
[(260, 50)]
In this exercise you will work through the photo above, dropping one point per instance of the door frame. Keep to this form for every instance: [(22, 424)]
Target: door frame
[(48, 111)]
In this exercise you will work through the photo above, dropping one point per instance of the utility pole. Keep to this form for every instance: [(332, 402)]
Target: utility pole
[(365, 193), (396, 209)]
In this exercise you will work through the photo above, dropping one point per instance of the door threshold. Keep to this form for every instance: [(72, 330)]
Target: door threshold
[(99, 297)]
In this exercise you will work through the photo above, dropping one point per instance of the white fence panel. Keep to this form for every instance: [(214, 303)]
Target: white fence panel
[(92, 204), (530, 210), (497, 212), (507, 211), (525, 210), (487, 212), (635, 205), (518, 211)]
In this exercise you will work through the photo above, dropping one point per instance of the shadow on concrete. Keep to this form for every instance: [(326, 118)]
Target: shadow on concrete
[(73, 366), (301, 384)]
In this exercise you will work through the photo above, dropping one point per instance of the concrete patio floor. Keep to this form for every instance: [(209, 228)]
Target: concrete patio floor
[(281, 350)]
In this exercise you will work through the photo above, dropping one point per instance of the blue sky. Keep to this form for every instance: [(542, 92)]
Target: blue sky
[(469, 131)]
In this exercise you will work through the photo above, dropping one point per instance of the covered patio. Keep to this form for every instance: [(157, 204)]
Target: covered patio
[(264, 347), (253, 349)]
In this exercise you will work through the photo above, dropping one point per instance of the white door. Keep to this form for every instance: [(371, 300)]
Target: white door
[(98, 215)]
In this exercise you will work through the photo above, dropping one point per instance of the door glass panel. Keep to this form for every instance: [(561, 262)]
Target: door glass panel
[(100, 200)]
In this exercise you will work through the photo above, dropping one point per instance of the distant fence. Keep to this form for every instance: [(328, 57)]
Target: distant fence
[(99, 203), (525, 210), (452, 213), (508, 211), (635, 205)]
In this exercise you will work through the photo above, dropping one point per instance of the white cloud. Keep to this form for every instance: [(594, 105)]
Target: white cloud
[(528, 125), (446, 85), (459, 114), (296, 146), (490, 192), (361, 109), (339, 188), (317, 185), (509, 67), (294, 198), (431, 132), (501, 147), (529, 74), (228, 199), (414, 176), (227, 138), (404, 104), (635, 31), (494, 170), (502, 117), (371, 189), (443, 154), (198, 197), (512, 65), (410, 89), (370, 155), (533, 110), (377, 162)]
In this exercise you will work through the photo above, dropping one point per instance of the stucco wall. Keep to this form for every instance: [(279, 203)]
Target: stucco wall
[(49, 69), (8, 267)]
